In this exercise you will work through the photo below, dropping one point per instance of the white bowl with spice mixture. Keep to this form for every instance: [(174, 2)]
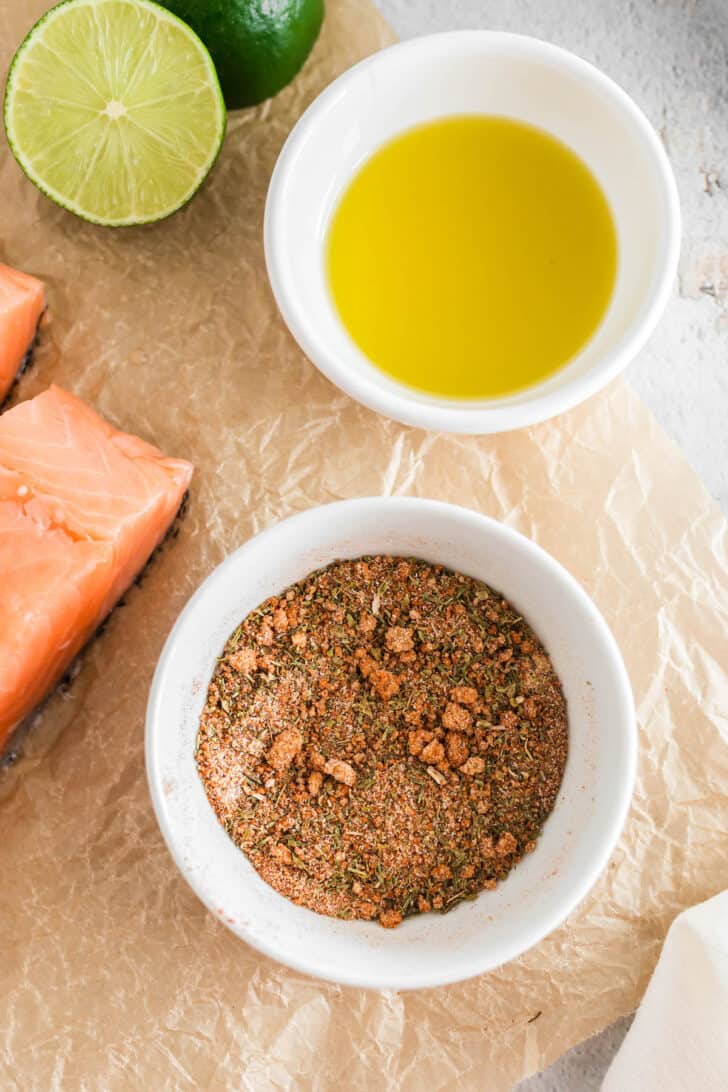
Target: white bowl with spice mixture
[(456, 74), (427, 949)]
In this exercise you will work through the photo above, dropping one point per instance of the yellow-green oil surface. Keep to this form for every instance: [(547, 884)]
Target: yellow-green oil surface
[(472, 256)]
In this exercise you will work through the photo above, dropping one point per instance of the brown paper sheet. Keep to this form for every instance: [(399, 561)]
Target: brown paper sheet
[(112, 974)]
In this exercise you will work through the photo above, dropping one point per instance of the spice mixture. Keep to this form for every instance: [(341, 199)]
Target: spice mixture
[(385, 738)]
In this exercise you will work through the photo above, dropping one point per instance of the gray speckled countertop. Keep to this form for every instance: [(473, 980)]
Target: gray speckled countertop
[(672, 57)]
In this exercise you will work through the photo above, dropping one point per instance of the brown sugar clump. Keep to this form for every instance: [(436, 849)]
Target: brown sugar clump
[(315, 781), (340, 771), (282, 854), (280, 620), (390, 918), (385, 738), (508, 720), (416, 741), (316, 760), (433, 753), (457, 719), (365, 663), (506, 844), (464, 695), (385, 683), (399, 639), (284, 749), (474, 766), (244, 661), (456, 746)]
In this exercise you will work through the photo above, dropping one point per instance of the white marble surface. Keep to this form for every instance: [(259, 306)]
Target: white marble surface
[(672, 57)]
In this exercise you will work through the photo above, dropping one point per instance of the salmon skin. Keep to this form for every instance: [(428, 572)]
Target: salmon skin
[(22, 300), (82, 508)]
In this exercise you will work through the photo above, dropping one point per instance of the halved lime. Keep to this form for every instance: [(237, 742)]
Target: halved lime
[(114, 110)]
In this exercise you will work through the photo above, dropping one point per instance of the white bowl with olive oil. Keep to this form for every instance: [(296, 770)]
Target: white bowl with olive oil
[(472, 232)]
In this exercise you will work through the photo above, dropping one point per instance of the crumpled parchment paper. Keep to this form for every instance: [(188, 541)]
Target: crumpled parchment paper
[(112, 974)]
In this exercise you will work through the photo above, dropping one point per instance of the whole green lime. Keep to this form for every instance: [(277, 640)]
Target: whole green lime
[(258, 46)]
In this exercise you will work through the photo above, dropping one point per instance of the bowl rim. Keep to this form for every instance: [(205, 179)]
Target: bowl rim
[(445, 414), (418, 978)]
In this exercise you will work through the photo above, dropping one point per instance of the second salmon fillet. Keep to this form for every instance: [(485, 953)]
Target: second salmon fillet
[(82, 507), (22, 299)]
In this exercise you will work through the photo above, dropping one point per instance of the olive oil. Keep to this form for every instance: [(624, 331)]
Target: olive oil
[(472, 257)]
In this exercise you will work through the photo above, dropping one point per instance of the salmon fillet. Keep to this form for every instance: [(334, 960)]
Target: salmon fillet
[(82, 507), (22, 299)]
